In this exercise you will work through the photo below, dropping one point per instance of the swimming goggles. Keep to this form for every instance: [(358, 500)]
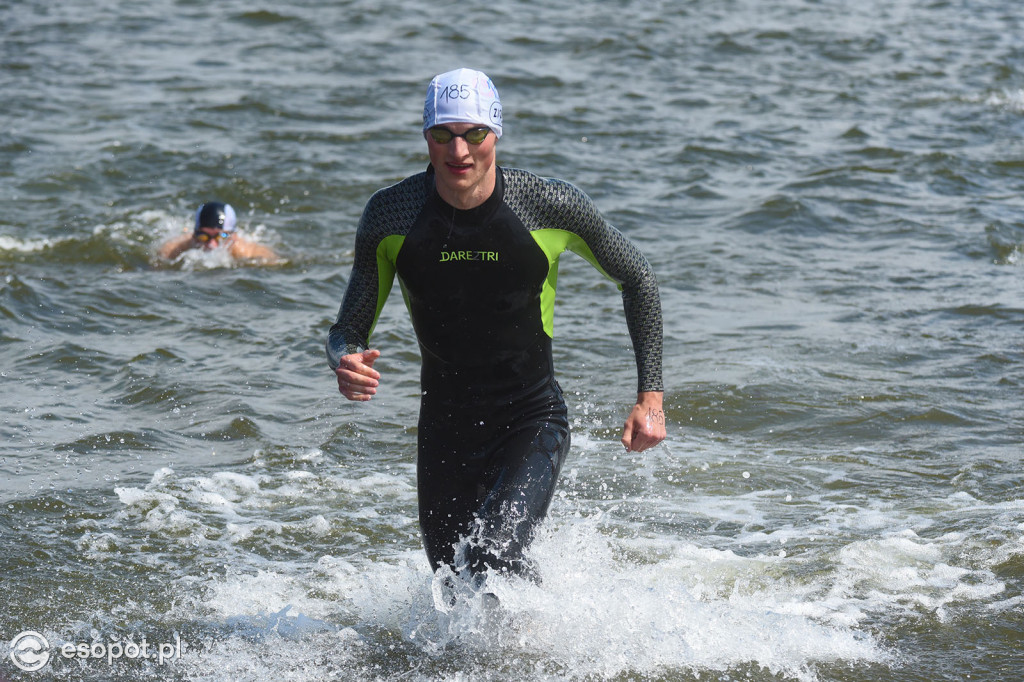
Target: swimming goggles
[(203, 237), (442, 135)]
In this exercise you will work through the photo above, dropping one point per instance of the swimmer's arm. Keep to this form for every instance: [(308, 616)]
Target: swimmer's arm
[(248, 250), (373, 275), (645, 426), (173, 248), (347, 341), (620, 260), (360, 306)]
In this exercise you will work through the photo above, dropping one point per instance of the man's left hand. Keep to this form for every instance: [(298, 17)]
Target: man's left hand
[(645, 426)]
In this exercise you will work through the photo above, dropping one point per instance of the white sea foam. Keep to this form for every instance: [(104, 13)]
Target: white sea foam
[(617, 598), (1012, 100), (595, 613), (8, 243)]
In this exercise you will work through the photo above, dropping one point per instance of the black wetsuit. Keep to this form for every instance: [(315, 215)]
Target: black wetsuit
[(480, 287)]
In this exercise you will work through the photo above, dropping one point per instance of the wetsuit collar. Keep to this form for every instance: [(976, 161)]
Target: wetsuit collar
[(477, 212)]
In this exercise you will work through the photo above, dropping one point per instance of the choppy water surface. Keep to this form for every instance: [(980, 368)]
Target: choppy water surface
[(831, 194)]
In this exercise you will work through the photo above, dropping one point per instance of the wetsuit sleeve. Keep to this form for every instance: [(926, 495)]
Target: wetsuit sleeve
[(621, 261), (373, 274)]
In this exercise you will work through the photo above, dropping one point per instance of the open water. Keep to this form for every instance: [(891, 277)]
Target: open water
[(831, 193)]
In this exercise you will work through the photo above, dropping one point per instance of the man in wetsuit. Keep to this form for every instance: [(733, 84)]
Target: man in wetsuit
[(476, 247)]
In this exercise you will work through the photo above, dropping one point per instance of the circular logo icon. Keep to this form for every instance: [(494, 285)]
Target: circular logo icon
[(30, 651)]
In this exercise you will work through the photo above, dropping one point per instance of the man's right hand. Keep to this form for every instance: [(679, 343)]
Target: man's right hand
[(357, 379)]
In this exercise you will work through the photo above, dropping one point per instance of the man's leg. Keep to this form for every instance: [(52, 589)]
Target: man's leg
[(519, 487)]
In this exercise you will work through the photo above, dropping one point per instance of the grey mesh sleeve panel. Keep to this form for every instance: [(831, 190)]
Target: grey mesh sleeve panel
[(553, 204), (390, 211)]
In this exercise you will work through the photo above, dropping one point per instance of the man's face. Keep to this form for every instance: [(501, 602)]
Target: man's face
[(211, 237), (464, 172)]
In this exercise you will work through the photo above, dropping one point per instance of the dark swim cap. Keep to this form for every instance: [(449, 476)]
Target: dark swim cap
[(216, 214)]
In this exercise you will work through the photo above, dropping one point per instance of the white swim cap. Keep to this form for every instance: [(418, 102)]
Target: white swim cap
[(462, 96)]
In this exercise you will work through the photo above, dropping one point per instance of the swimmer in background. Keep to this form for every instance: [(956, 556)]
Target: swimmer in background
[(215, 228)]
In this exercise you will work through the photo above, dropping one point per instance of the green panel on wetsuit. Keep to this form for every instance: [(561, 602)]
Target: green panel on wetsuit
[(553, 243), (387, 254)]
